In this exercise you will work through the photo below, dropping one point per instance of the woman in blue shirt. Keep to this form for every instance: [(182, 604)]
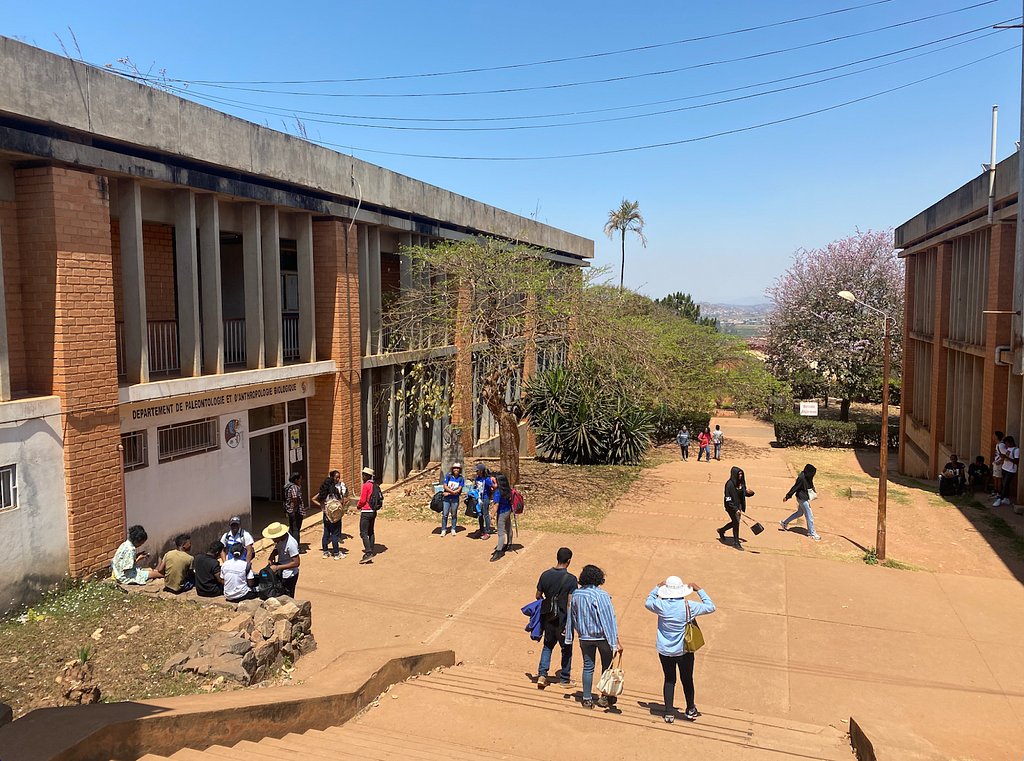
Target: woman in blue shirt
[(674, 613), (485, 486), (453, 485), (503, 518), (591, 617)]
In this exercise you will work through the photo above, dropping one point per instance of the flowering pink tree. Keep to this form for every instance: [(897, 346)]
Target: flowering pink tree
[(811, 331)]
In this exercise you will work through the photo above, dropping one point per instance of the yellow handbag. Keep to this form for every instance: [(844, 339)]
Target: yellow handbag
[(693, 638)]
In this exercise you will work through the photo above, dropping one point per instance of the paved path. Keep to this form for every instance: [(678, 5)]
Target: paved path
[(795, 636)]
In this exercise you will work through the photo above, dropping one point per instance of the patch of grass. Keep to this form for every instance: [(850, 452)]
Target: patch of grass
[(870, 556), (843, 492), (1001, 528)]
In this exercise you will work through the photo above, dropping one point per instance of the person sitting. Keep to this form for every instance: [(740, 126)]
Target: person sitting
[(124, 567), (952, 479), (980, 475), (176, 566), (209, 582), (239, 579)]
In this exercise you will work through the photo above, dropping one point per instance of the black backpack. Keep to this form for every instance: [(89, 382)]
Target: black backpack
[(376, 498), (268, 584)]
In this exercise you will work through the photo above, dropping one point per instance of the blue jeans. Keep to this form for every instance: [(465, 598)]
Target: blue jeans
[(705, 452), (590, 648), (803, 509), (552, 631), (718, 451), (450, 509), (484, 507)]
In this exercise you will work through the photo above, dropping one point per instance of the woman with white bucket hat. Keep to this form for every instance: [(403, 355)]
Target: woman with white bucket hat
[(674, 613)]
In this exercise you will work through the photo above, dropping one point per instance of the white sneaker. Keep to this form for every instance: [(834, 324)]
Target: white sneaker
[(443, 532), (998, 502), (452, 533)]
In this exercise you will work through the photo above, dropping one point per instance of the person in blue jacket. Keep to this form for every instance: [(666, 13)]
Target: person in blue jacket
[(683, 440), (454, 483), (674, 613)]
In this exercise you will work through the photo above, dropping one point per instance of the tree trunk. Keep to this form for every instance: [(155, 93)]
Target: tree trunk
[(508, 437), (622, 270), (844, 410)]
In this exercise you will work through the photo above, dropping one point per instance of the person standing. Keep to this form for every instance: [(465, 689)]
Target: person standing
[(176, 566), (704, 444), (683, 440), (554, 587), (237, 535), (125, 565), (716, 439), (802, 491), (1010, 464), (997, 467), (237, 574), (485, 486), (370, 501), (293, 505), (453, 485), (503, 518), (284, 558), (591, 617), (330, 498), (674, 613), (736, 493)]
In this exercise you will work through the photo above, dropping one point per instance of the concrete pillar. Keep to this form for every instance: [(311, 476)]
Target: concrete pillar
[(270, 245), (133, 281), (366, 398), (252, 274), (997, 333), (390, 426), (208, 214), (307, 316), (940, 354), (405, 273), (404, 426), (907, 373), (374, 291), (364, 289), (187, 272)]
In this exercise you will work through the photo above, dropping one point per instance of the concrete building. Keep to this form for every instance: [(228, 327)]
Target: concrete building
[(957, 382), (203, 292)]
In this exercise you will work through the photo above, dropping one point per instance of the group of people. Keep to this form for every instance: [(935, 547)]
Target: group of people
[(579, 609), (707, 440), (490, 494), (997, 480), (737, 491)]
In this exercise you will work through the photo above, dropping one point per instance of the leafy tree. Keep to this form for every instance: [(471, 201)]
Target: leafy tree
[(811, 329), (684, 306), (625, 218)]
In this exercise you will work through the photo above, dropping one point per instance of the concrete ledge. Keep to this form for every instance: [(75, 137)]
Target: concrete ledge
[(128, 731), (145, 392), (888, 742), (27, 409)]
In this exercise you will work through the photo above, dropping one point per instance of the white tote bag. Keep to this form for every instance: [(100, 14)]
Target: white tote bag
[(613, 679)]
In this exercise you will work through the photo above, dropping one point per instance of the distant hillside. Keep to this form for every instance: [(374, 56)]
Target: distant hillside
[(745, 321)]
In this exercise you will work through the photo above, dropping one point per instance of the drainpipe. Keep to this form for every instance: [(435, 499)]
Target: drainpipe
[(124, 496), (992, 170)]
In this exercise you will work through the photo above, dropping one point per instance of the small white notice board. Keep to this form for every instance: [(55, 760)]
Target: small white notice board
[(809, 409)]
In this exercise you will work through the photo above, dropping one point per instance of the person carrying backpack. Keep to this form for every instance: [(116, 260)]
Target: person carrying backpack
[(683, 440), (503, 517), (485, 486), (370, 501), (453, 485)]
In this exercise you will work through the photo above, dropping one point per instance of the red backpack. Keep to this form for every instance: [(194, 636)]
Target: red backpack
[(518, 503)]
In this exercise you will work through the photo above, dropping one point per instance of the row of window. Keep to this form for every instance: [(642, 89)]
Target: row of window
[(172, 442)]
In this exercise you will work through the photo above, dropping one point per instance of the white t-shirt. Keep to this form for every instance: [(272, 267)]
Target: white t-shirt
[(235, 572), (243, 538), (716, 437), (1012, 453), (287, 549)]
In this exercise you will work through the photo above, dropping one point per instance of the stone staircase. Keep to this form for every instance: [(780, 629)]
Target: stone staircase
[(481, 714)]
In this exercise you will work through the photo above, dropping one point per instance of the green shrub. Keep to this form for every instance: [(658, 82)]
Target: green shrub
[(670, 422), (580, 418), (795, 431)]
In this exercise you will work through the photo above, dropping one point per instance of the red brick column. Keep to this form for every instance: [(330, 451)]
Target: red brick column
[(335, 419), (997, 332), (68, 303), (907, 371), (12, 296), (943, 265)]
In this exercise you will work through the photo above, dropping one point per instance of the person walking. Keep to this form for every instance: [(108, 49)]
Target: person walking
[(485, 485), (284, 558), (683, 440), (997, 467), (1010, 464), (503, 516), (293, 505), (674, 612), (125, 565), (453, 485), (716, 439), (330, 499), (704, 442), (591, 617), (802, 490), (370, 501), (554, 587), (736, 493)]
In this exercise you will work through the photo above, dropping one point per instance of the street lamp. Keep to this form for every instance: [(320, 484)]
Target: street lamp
[(883, 455)]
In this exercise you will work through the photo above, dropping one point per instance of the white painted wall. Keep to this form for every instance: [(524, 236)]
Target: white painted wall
[(34, 536)]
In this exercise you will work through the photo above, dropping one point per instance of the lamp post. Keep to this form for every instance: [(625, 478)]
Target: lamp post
[(883, 455)]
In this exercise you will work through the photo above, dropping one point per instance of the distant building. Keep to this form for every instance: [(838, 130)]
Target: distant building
[(957, 386)]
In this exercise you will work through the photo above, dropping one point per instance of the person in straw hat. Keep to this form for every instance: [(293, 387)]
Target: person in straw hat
[(674, 613), (368, 515), (284, 558)]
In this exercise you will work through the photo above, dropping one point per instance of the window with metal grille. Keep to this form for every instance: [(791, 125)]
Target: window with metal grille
[(136, 454), (184, 439), (9, 487)]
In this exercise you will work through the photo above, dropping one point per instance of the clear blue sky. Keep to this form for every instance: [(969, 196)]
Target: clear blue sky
[(723, 215)]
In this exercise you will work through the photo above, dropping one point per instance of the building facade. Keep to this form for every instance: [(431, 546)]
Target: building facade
[(191, 312), (958, 387)]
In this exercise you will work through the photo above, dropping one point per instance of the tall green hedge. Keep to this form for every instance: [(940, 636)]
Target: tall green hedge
[(794, 431), (670, 422)]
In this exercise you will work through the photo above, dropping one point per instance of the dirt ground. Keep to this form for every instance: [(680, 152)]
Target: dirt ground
[(36, 645)]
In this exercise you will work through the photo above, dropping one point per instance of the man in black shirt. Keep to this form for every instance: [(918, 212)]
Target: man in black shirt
[(952, 480), (554, 587), (980, 474), (209, 582)]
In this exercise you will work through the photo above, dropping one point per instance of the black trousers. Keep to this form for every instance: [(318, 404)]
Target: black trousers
[(289, 584), (684, 664), (295, 525), (367, 519), (1008, 483), (685, 450), (734, 523)]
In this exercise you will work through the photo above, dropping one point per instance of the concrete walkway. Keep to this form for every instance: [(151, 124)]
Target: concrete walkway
[(795, 637)]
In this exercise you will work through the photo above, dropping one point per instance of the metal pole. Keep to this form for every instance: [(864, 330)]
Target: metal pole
[(1018, 270), (883, 456), (992, 169)]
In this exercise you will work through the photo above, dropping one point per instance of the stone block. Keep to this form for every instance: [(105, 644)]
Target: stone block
[(286, 612), (259, 675), (266, 653), (174, 662), (223, 643), (305, 622), (306, 645), (305, 608), (198, 665), (263, 622), (249, 606), (239, 623), (282, 632), (230, 667), (297, 630), (249, 663)]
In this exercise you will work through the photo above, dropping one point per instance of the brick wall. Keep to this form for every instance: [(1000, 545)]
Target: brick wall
[(940, 356), (158, 251), (997, 332), (335, 420), (907, 371), (12, 296), (68, 307)]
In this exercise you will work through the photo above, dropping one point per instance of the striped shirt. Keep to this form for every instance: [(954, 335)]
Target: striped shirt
[(591, 616)]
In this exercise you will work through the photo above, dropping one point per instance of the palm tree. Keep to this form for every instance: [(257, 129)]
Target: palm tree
[(626, 217)]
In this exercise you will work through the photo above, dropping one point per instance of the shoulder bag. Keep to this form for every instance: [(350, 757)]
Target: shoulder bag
[(693, 638), (613, 679)]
